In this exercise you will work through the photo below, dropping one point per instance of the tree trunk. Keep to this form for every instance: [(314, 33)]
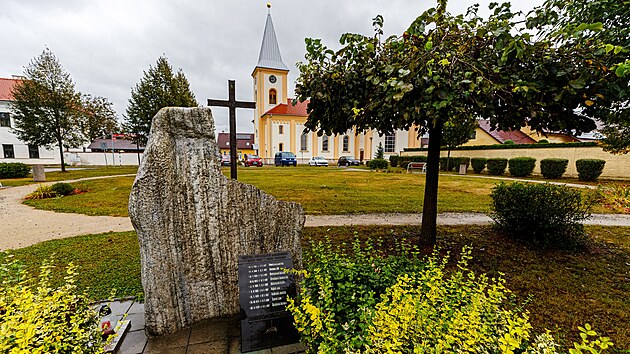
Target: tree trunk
[(429, 209), (63, 164), (448, 160)]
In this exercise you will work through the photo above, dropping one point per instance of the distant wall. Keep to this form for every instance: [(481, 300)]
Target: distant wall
[(101, 159), (617, 166)]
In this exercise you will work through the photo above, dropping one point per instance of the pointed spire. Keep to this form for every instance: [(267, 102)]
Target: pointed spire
[(269, 56)]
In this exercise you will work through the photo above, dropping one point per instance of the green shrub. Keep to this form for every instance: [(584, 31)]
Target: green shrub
[(496, 166), (478, 164), (38, 317), (452, 164), (460, 161), (543, 141), (589, 169), (553, 168), (508, 142), (61, 188), (521, 166), (44, 191), (393, 160), (543, 215), (14, 170), (378, 164)]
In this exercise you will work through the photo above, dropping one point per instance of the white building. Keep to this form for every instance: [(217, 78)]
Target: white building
[(13, 149)]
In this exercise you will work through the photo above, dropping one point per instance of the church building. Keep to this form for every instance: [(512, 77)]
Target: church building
[(279, 125)]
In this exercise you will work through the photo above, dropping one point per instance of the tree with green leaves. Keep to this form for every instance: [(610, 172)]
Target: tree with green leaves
[(159, 87), (98, 118), (456, 133), (577, 23), (46, 105), (447, 68)]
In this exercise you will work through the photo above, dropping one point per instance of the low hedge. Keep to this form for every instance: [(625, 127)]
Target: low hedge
[(553, 168), (378, 164), (478, 164), (454, 163), (14, 170), (496, 166), (403, 161), (393, 160), (515, 146), (589, 169), (521, 166)]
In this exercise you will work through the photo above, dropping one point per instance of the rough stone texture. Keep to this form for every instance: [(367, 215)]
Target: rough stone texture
[(39, 175), (193, 223)]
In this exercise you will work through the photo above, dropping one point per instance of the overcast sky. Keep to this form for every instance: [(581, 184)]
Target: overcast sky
[(106, 45)]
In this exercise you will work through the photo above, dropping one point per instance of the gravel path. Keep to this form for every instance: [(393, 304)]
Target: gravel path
[(22, 226)]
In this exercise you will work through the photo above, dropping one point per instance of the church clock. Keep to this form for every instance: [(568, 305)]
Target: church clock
[(272, 79)]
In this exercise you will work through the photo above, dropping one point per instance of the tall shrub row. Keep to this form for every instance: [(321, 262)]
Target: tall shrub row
[(551, 168)]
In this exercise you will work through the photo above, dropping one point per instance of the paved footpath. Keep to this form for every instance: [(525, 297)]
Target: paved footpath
[(22, 226)]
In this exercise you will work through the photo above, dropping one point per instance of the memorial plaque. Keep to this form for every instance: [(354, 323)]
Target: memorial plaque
[(263, 289)]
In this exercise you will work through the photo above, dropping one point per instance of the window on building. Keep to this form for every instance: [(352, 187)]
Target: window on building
[(390, 142), (281, 147), (346, 143), (281, 129), (33, 151), (8, 151), (325, 143), (303, 142), (272, 96), (5, 120)]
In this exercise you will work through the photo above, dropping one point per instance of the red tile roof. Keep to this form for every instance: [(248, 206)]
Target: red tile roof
[(6, 85), (517, 136), (243, 141), (289, 109)]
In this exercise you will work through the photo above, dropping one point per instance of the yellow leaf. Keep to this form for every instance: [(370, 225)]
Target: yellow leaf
[(589, 103)]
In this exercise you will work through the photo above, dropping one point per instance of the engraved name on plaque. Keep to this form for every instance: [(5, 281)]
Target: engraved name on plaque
[(263, 290)]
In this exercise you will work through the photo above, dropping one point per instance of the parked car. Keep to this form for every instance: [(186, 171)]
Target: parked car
[(318, 161), (252, 160), (225, 160), (348, 161), (285, 158)]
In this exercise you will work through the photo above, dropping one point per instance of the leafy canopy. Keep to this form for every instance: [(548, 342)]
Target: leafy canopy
[(159, 87), (448, 68)]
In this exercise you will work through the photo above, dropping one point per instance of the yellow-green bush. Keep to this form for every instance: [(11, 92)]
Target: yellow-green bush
[(426, 309), (38, 318)]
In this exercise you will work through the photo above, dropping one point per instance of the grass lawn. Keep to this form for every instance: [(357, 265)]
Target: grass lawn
[(83, 172), (568, 289), (319, 190)]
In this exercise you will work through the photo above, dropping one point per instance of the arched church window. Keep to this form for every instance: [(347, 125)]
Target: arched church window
[(303, 142), (272, 96), (281, 129), (325, 143), (346, 143)]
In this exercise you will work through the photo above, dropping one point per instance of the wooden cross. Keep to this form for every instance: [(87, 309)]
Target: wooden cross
[(232, 104)]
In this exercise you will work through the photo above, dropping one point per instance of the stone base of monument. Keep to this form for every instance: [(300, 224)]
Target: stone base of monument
[(217, 335)]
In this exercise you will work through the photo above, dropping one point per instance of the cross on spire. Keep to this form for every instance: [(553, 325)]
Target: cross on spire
[(232, 104)]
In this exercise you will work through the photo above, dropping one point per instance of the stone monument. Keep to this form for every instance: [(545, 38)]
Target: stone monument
[(193, 223)]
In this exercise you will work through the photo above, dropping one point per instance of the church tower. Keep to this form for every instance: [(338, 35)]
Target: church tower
[(270, 84)]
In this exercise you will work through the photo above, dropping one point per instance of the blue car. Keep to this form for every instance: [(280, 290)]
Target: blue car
[(285, 159)]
